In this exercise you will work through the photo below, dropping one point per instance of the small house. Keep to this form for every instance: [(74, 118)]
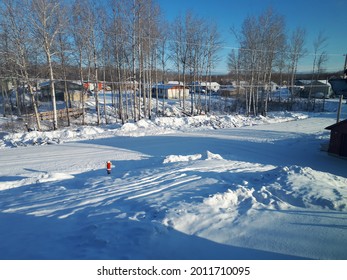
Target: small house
[(229, 90), (206, 86), (314, 89), (74, 89), (213, 86), (338, 138), (170, 91)]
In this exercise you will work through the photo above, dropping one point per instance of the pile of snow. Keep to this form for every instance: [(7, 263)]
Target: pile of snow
[(180, 158), (41, 178), (269, 210), (159, 126), (211, 156)]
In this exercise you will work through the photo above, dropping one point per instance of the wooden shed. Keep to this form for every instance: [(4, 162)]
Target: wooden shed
[(318, 89), (74, 89), (338, 138)]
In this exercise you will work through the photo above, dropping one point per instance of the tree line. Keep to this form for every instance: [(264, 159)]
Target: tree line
[(118, 40), (132, 46), (267, 48)]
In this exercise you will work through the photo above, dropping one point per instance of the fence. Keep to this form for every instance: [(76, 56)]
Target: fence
[(61, 114)]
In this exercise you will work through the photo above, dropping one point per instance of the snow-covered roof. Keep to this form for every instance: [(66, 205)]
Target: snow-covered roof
[(44, 84), (47, 83), (175, 83), (206, 83), (309, 82), (209, 84), (167, 86)]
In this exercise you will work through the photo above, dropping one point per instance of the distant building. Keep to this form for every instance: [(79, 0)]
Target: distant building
[(213, 86), (74, 89), (318, 88), (170, 91), (91, 86), (207, 86), (338, 138), (230, 90), (175, 83)]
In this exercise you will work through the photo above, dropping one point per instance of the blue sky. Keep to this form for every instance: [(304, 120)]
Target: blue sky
[(329, 17)]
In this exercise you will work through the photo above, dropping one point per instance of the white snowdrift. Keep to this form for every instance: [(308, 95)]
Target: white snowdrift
[(159, 126), (179, 158)]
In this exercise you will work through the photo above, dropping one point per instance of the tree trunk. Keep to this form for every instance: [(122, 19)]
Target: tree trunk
[(35, 108), (104, 82), (3, 100), (96, 93), (52, 90), (84, 91)]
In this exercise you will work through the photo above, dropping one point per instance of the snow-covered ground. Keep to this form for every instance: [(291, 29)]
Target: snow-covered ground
[(207, 187)]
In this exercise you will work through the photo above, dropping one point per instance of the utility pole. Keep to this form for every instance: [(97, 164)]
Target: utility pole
[(339, 109)]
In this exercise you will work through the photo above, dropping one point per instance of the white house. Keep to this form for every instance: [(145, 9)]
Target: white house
[(170, 91), (213, 86)]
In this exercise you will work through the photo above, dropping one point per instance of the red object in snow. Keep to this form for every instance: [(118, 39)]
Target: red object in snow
[(108, 167), (92, 86)]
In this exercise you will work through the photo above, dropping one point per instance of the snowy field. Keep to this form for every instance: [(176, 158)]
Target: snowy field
[(207, 187)]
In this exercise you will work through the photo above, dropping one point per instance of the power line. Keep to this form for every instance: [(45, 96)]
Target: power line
[(223, 46)]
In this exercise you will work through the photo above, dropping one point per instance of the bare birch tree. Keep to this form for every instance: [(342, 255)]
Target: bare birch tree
[(21, 44), (79, 35), (177, 49), (296, 50), (319, 55), (46, 22), (119, 45), (261, 38), (64, 49), (213, 46), (273, 27)]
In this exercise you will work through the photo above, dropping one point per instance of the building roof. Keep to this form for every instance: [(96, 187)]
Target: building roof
[(47, 83), (168, 86), (337, 125), (312, 82), (205, 83), (175, 83)]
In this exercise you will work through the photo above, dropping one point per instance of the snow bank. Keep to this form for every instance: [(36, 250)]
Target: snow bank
[(211, 156), (160, 125), (178, 158), (290, 209), (39, 178), (181, 158)]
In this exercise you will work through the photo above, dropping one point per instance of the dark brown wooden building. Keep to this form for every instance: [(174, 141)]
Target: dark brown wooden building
[(338, 138)]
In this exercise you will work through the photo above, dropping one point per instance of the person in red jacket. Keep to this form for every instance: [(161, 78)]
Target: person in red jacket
[(108, 167)]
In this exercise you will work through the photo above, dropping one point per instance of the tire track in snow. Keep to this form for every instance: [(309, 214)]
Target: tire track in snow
[(190, 179), (51, 199)]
